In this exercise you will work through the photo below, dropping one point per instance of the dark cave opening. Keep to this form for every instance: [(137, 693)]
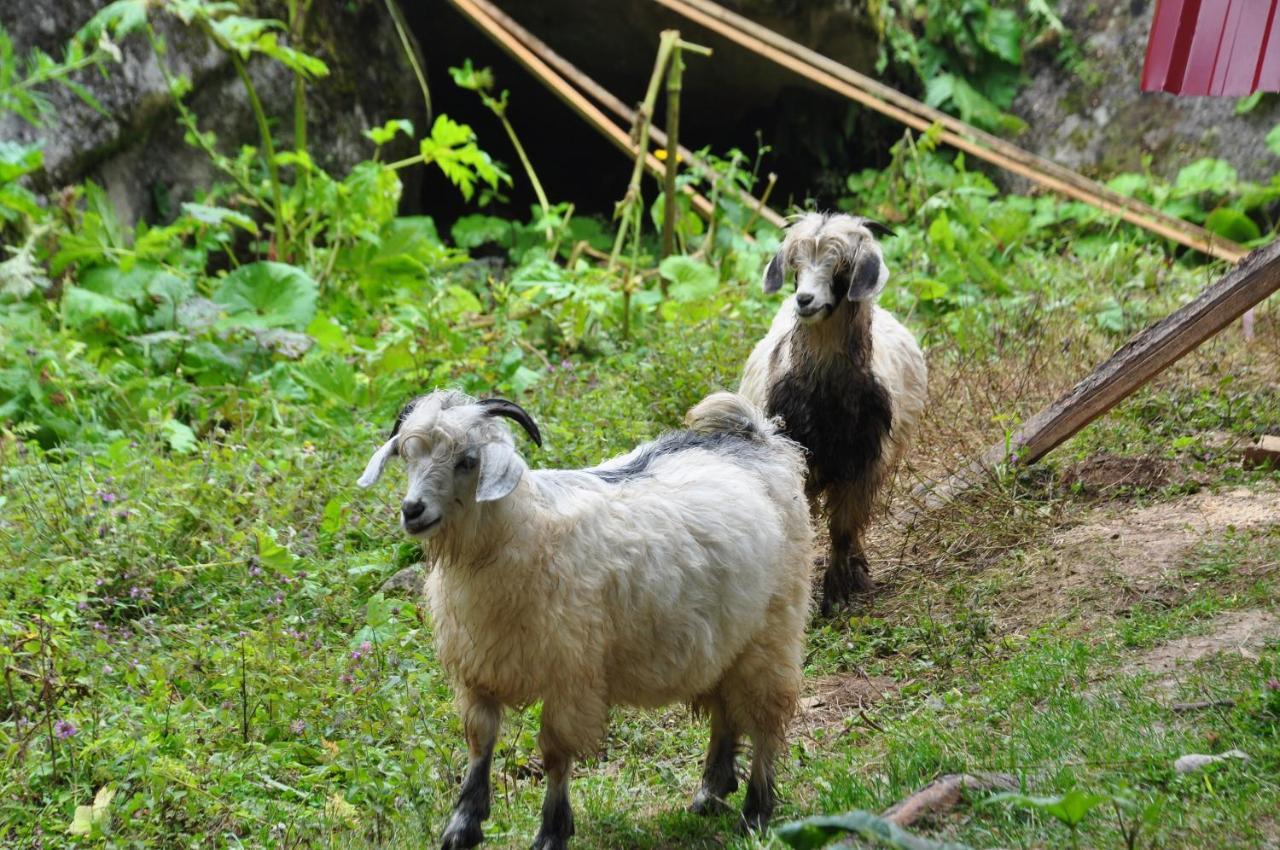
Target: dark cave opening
[(732, 99)]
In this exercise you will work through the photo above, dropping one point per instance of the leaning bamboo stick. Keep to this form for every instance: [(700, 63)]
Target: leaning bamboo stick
[(571, 96), (613, 104), (956, 133)]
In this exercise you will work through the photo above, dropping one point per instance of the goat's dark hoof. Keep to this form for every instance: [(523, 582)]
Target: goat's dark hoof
[(840, 586), (547, 841), (707, 803), (753, 823), (461, 834)]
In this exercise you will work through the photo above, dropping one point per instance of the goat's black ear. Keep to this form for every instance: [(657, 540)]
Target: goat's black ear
[(513, 411), (877, 228), (864, 273), (773, 274)]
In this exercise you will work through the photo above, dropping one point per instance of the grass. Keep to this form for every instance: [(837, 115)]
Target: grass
[(199, 621)]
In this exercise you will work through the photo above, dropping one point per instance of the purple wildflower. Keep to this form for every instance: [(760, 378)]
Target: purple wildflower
[(298, 726), (64, 729), (107, 669), (1273, 684), (108, 497)]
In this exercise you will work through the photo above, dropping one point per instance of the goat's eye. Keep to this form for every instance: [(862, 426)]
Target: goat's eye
[(466, 462)]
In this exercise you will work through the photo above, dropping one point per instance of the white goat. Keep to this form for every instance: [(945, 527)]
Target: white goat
[(677, 572), (847, 379)]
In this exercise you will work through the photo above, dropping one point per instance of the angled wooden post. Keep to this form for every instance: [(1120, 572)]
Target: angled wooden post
[(1136, 362)]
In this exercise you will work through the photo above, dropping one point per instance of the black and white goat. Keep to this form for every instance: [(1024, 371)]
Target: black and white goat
[(677, 572), (847, 379)]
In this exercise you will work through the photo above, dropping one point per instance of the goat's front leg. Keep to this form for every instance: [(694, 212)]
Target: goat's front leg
[(847, 570), (481, 718)]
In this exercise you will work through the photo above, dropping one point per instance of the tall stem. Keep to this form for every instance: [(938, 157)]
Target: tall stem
[(268, 148), (666, 44), (670, 209), (297, 23), (528, 168)]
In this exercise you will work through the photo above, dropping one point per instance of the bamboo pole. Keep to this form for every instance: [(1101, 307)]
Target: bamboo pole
[(605, 98), (670, 209), (569, 95), (666, 45), (906, 110)]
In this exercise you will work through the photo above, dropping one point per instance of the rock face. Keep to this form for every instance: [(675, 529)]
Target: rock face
[(1097, 120), (135, 148)]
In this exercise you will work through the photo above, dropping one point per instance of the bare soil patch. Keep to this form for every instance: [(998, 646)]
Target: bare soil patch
[(1117, 556), (1231, 632), (1103, 475), (831, 702)]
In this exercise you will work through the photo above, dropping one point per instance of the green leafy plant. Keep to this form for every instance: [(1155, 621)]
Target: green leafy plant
[(968, 56)]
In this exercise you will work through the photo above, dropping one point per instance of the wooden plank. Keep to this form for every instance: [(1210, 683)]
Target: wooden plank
[(606, 98), (1138, 361), (911, 112)]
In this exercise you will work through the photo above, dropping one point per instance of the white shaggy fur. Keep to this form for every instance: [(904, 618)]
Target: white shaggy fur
[(677, 572), (831, 341)]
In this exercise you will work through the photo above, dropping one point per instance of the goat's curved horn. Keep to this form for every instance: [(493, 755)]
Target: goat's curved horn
[(511, 410), (877, 228)]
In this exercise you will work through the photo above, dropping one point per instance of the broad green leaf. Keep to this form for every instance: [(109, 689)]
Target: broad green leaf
[(815, 832), (388, 131), (218, 216), (451, 146), (267, 295), (1206, 175), (272, 554), (463, 300), (84, 308), (82, 821), (1003, 35), (691, 280), (1232, 224), (1249, 102), (179, 436), (142, 285), (472, 231), (328, 334), (1273, 140), (17, 159), (1071, 808)]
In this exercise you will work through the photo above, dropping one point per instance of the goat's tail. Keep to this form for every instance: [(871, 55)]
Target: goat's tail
[(729, 413)]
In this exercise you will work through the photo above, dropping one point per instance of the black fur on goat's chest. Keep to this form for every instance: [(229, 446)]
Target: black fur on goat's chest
[(834, 407)]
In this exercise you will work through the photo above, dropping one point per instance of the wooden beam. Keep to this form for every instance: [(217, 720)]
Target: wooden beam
[(1138, 361), (956, 133), (571, 96)]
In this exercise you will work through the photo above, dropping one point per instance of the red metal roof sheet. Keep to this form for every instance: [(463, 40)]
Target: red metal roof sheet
[(1214, 47)]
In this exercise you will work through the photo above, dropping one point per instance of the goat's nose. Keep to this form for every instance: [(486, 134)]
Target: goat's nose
[(412, 509), (804, 299)]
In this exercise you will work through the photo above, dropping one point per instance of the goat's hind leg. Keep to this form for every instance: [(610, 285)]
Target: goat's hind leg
[(568, 728), (481, 719), (719, 773)]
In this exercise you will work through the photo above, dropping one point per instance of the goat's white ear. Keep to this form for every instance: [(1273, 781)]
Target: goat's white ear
[(500, 470), (773, 274), (377, 463)]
